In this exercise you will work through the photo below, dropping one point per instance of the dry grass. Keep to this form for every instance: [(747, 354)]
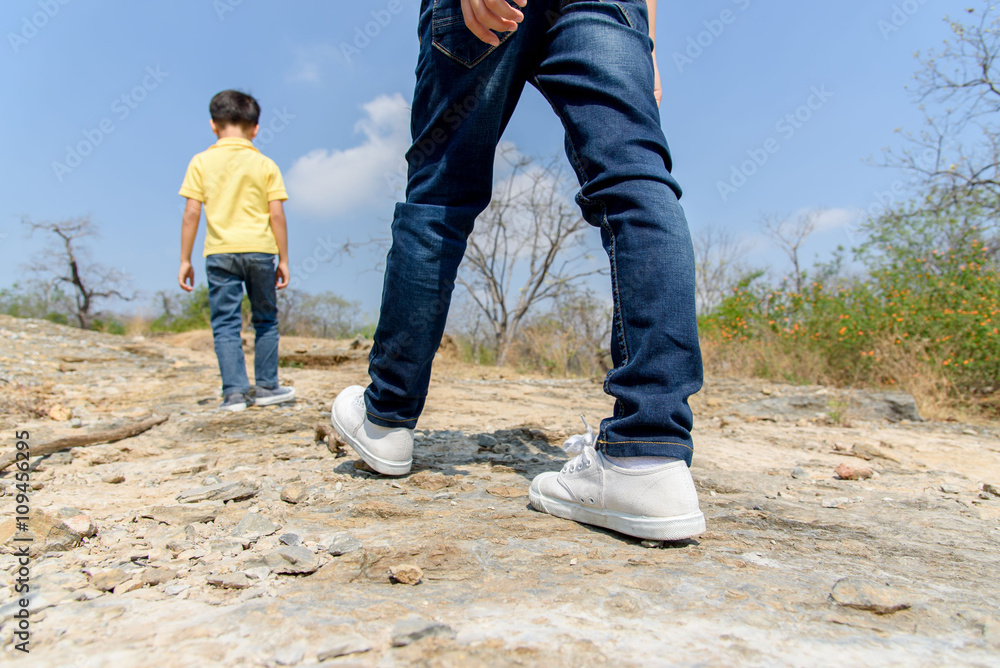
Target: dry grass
[(895, 367)]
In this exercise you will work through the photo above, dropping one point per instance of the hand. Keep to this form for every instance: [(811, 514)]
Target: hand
[(185, 277), (657, 89), (281, 276), (484, 16)]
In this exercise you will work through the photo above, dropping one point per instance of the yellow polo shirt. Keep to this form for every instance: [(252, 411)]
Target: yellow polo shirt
[(235, 182)]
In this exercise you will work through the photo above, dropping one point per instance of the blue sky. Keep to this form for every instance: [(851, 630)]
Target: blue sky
[(131, 81)]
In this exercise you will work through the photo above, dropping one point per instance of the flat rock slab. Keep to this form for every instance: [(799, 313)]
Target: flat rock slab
[(866, 595), (414, 628), (254, 524), (232, 491), (181, 515), (292, 561)]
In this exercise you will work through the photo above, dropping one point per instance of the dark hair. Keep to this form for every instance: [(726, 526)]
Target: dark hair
[(231, 107)]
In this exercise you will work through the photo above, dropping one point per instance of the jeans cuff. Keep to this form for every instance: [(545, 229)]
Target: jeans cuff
[(621, 448)]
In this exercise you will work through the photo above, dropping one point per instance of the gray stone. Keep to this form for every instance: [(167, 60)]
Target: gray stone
[(951, 489), (176, 588), (254, 524), (487, 441), (798, 472), (292, 561), (258, 572), (991, 489), (341, 543), (113, 478), (48, 533), (290, 538), (233, 491), (227, 547), (181, 515), (157, 576), (414, 628), (289, 656), (342, 646), (294, 493), (108, 580), (866, 595), (229, 580), (838, 502)]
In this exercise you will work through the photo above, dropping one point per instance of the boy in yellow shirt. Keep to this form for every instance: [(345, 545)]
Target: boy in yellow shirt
[(242, 191)]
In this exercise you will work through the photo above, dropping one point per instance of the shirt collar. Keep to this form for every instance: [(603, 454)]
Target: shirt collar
[(234, 141)]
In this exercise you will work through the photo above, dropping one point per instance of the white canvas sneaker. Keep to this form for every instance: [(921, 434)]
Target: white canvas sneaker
[(658, 503), (388, 451)]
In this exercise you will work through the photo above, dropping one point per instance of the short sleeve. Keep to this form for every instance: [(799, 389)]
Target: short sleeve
[(192, 186), (275, 184)]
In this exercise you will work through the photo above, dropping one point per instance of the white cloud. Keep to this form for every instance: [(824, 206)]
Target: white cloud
[(309, 61), (331, 182)]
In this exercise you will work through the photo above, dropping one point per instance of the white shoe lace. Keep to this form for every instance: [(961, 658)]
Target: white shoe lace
[(577, 445)]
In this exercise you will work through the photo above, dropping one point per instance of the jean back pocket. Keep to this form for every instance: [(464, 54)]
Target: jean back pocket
[(454, 39)]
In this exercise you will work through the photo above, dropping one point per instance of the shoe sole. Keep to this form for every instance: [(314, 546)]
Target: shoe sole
[(277, 399), (648, 528), (383, 466), (235, 408)]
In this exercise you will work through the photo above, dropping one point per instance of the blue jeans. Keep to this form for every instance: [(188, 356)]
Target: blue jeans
[(227, 274), (591, 59)]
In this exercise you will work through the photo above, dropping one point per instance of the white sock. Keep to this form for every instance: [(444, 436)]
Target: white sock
[(640, 462)]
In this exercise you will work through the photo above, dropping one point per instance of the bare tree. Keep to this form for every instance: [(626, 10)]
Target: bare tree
[(789, 234), (719, 265), (65, 262), (956, 157), (527, 247)]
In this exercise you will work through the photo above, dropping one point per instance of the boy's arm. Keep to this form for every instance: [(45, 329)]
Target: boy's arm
[(657, 89), (280, 229), (189, 230)]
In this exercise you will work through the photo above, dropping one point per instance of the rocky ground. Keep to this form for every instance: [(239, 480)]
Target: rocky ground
[(841, 528)]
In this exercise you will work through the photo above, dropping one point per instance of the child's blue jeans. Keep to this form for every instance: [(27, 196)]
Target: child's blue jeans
[(591, 59), (227, 274)]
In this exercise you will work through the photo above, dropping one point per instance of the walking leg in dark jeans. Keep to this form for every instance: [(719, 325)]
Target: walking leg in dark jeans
[(592, 60)]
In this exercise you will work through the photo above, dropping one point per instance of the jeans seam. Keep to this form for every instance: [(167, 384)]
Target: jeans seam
[(683, 445), (436, 42), (387, 419), (577, 164)]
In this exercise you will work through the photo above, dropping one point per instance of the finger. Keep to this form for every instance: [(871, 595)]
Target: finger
[(477, 28), (503, 11)]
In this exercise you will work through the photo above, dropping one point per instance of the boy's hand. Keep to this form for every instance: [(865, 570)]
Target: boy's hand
[(281, 276), (186, 276), (657, 88), (484, 16)]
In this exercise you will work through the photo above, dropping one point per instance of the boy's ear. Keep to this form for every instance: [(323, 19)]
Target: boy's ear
[(253, 133), (211, 124)]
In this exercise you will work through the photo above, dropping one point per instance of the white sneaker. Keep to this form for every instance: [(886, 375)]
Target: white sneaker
[(658, 503), (389, 451)]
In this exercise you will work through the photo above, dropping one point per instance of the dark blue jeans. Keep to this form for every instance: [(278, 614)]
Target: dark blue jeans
[(227, 274), (592, 62)]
